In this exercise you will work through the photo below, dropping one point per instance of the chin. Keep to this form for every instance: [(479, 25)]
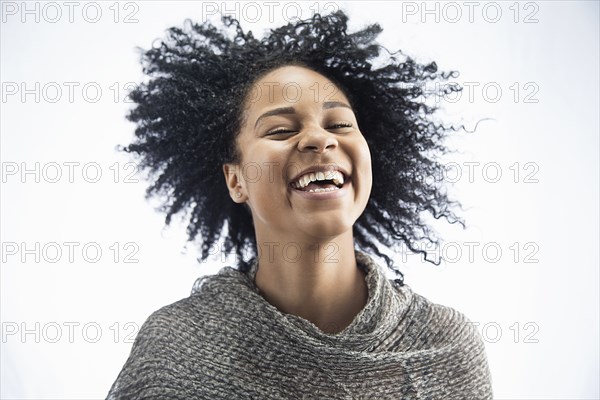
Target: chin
[(327, 228)]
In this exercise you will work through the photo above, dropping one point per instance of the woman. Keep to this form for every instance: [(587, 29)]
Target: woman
[(319, 152)]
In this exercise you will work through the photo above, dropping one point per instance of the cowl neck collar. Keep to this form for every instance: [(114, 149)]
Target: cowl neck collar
[(386, 305), (226, 340)]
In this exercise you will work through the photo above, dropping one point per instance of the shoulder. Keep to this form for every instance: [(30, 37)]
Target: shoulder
[(452, 338), (188, 317), (174, 317), (441, 326), (160, 355)]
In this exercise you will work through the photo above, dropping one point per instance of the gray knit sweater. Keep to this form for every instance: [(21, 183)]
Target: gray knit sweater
[(225, 341)]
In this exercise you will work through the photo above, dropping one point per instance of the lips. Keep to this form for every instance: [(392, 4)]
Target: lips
[(319, 173), (315, 180), (322, 195)]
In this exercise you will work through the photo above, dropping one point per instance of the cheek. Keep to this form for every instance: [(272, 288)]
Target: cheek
[(267, 195), (363, 156), (263, 175)]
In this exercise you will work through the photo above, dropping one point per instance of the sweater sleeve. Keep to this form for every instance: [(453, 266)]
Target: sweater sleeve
[(458, 347), (469, 370), (482, 378), (151, 371)]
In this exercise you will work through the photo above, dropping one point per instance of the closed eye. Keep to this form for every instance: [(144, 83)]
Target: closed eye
[(341, 125), (284, 130), (278, 131)]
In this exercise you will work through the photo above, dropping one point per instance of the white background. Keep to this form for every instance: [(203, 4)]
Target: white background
[(539, 319)]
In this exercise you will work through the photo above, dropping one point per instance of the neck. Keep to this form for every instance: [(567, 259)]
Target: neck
[(317, 280)]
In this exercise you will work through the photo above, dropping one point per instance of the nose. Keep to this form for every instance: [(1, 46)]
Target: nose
[(318, 140)]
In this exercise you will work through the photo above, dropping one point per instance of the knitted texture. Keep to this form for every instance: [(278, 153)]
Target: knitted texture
[(225, 341)]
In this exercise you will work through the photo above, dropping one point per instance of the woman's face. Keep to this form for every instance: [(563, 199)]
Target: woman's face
[(296, 120)]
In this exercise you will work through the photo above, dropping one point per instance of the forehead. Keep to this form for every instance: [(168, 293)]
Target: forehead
[(292, 85)]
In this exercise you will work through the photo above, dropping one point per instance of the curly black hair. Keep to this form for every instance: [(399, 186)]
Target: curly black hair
[(190, 112)]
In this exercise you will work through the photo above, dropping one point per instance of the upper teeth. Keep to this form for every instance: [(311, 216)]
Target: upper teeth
[(336, 176)]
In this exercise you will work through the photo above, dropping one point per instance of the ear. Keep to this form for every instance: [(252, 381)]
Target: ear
[(233, 179)]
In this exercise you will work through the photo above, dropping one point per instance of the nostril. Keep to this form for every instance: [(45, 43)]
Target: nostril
[(317, 143)]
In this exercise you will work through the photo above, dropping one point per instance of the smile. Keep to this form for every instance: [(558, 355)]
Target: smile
[(319, 181), (323, 193)]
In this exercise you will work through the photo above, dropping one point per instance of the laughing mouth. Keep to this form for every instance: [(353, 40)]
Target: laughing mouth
[(315, 182)]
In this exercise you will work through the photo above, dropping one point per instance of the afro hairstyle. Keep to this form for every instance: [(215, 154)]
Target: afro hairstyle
[(189, 112)]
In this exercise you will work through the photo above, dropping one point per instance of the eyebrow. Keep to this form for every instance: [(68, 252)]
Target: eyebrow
[(291, 110)]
